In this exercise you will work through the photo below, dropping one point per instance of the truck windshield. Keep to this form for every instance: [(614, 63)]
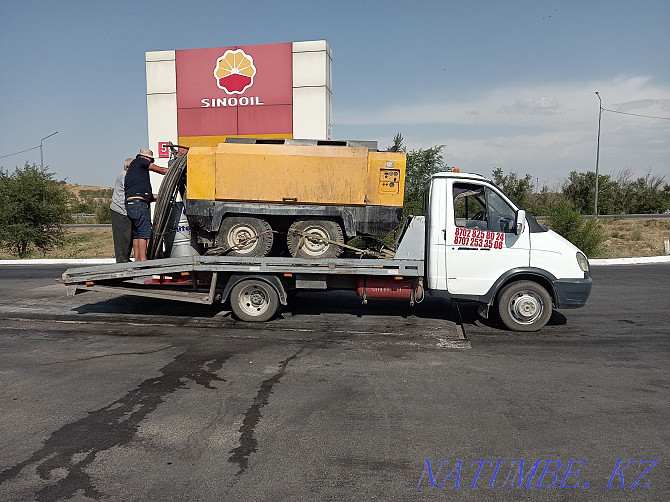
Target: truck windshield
[(514, 201)]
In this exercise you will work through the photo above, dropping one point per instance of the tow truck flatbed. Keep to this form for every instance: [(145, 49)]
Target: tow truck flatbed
[(212, 278)]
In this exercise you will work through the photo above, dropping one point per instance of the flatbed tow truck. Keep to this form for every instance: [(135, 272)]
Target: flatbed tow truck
[(474, 244)]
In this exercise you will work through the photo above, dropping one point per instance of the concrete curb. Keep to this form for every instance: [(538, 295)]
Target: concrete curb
[(59, 261), (105, 261), (642, 260)]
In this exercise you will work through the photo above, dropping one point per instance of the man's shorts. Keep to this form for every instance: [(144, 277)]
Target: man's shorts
[(138, 212)]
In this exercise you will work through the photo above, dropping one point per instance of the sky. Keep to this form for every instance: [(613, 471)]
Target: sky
[(507, 84)]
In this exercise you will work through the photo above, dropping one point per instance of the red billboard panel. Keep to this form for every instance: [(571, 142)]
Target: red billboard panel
[(235, 90)]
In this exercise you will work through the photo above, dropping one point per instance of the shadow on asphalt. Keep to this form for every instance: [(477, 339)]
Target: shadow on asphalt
[(135, 305), (300, 304), (470, 317)]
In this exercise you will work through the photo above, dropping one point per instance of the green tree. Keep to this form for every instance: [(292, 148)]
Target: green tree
[(539, 204), (579, 189), (620, 195), (398, 145), (645, 195), (33, 206), (421, 165), (520, 189)]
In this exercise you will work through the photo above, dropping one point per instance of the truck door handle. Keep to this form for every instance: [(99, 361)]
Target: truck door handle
[(444, 234), (291, 199)]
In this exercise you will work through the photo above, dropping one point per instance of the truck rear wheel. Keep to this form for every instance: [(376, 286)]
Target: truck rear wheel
[(254, 300), (246, 236), (524, 306), (302, 246)]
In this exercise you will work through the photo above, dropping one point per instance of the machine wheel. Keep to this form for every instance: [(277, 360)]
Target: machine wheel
[(313, 247), (245, 236), (254, 300), (524, 306)]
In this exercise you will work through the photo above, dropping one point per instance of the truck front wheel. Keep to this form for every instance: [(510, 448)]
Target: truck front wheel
[(304, 239), (246, 236), (254, 300), (524, 306)]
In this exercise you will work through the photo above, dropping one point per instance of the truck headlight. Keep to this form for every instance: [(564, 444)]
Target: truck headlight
[(583, 262)]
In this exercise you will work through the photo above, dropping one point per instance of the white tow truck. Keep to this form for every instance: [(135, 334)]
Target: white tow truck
[(473, 244)]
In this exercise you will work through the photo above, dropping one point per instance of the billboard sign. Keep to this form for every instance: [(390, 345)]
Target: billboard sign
[(230, 91)]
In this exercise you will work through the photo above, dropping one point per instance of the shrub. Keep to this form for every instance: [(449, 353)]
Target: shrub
[(585, 233), (103, 214), (33, 206)]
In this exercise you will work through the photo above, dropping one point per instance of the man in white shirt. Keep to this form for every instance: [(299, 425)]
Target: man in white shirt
[(121, 224)]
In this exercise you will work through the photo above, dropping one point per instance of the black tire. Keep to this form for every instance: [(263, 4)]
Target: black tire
[(254, 300), (238, 232), (524, 306), (313, 247)]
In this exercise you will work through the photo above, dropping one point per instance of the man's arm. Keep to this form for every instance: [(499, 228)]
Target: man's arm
[(158, 169)]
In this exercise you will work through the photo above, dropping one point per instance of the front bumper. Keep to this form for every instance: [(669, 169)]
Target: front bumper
[(572, 293)]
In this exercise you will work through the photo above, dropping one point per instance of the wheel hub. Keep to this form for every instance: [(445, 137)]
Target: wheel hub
[(254, 300), (525, 307), (314, 245), (242, 238), (257, 298)]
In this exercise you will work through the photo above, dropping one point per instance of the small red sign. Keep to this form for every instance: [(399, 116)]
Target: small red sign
[(163, 150)]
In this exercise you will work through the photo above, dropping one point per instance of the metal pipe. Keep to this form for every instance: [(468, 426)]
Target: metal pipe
[(600, 114), (41, 150)]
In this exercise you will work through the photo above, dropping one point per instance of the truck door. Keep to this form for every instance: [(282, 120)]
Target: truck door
[(481, 243)]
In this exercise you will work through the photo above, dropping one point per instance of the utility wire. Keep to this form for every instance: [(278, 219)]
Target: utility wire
[(22, 151), (636, 115)]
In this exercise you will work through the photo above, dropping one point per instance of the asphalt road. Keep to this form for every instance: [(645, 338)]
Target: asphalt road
[(118, 398)]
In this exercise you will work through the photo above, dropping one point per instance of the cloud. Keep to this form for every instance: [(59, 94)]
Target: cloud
[(536, 106), (545, 130), (515, 105), (646, 105)]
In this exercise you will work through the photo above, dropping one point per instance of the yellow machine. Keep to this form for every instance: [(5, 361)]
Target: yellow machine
[(240, 194)]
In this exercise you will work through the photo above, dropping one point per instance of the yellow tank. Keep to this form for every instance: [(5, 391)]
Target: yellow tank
[(241, 195), (303, 174)]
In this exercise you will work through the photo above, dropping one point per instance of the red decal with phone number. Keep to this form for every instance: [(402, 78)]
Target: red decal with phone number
[(479, 238)]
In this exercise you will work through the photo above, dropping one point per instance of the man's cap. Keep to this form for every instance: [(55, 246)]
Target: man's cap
[(145, 152)]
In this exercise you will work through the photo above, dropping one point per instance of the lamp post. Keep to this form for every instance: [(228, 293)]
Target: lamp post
[(42, 151), (600, 114)]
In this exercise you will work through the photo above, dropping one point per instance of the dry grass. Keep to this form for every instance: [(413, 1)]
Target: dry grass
[(80, 243), (77, 189), (626, 238)]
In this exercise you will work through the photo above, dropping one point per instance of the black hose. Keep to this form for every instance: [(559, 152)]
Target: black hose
[(172, 184)]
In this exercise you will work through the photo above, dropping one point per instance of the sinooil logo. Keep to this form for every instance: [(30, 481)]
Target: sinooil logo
[(234, 71)]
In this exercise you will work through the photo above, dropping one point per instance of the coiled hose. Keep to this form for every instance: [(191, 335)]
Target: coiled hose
[(172, 184)]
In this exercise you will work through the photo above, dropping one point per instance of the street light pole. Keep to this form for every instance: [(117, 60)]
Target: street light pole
[(600, 114), (42, 152)]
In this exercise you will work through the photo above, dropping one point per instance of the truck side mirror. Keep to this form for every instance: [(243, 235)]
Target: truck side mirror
[(520, 222)]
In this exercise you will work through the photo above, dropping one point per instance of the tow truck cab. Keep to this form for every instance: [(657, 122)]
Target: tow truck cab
[(481, 246)]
